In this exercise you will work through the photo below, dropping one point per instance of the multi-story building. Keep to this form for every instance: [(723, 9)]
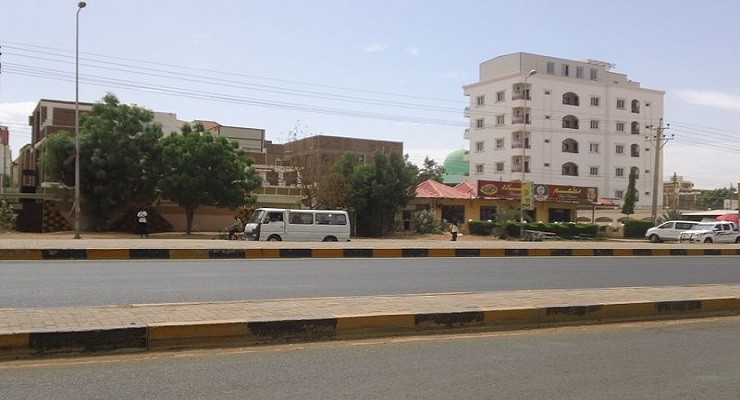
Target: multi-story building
[(563, 122)]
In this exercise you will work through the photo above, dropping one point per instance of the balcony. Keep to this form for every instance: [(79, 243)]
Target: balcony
[(466, 135)]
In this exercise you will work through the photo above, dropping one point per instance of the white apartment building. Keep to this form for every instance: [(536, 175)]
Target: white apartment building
[(563, 122)]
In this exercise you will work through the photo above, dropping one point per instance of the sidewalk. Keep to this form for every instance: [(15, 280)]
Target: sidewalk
[(137, 328)]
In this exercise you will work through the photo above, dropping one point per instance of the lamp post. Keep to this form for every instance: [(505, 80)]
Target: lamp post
[(524, 148), (80, 6)]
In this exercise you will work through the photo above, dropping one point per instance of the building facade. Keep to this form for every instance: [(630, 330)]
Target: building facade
[(554, 121)]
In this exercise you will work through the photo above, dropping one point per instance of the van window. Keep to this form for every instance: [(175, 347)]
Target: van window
[(300, 218), (331, 219), (684, 225)]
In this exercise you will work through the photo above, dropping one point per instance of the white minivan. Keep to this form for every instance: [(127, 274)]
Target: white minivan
[(669, 230), (280, 224)]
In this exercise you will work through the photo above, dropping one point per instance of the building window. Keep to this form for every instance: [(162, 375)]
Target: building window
[(594, 124), (619, 172), (479, 123), (570, 122), (593, 171), (551, 67), (619, 149), (593, 147), (579, 72), (635, 150), (620, 104), (636, 106), (500, 167), (479, 169), (635, 128), (500, 143), (478, 147), (620, 126), (547, 165), (565, 69), (570, 99), (595, 101), (570, 146), (480, 100), (619, 194), (569, 169), (636, 171), (500, 120), (547, 92), (594, 74), (501, 96)]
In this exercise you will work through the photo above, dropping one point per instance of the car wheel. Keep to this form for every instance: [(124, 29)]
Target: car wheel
[(330, 239), (708, 240), (274, 238), (655, 238)]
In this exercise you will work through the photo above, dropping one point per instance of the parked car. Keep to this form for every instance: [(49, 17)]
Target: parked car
[(669, 230), (711, 232)]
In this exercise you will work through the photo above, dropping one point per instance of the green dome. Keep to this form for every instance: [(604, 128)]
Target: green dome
[(455, 164)]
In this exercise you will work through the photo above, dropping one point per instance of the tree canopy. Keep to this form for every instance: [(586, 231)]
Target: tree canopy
[(201, 169), (431, 170), (630, 196), (119, 158), (58, 158), (374, 191), (715, 198)]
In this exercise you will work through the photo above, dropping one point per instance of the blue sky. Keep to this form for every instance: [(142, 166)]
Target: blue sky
[(390, 70)]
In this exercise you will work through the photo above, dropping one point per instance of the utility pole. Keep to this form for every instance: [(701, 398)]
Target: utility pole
[(658, 141)]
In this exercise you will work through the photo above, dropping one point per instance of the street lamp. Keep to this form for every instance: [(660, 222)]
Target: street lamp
[(80, 6), (524, 148)]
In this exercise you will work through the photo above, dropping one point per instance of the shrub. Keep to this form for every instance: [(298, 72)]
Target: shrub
[(483, 228), (425, 222), (7, 217), (634, 228)]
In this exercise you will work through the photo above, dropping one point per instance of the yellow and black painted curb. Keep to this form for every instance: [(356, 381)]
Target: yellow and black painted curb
[(269, 253), (171, 336)]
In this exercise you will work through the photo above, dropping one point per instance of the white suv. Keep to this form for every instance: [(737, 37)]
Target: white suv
[(711, 232), (669, 230)]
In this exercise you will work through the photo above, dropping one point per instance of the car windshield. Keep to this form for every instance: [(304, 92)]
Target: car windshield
[(699, 227), (256, 217)]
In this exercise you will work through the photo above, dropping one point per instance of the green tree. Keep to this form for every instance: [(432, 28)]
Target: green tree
[(336, 190), (715, 198), (119, 161), (431, 170), (58, 158), (630, 196), (7, 216), (670, 215), (200, 169), (380, 189)]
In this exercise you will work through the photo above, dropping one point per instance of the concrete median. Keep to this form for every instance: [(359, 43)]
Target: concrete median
[(28, 333)]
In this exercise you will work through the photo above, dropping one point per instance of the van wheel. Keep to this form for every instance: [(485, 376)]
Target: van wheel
[(708, 240), (274, 238), (330, 239), (737, 240), (654, 238)]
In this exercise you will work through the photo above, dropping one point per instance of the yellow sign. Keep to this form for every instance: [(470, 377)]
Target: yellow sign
[(527, 203)]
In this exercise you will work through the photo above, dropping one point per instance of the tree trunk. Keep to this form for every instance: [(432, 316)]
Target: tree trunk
[(189, 220)]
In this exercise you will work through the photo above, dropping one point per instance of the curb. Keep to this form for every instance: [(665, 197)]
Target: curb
[(409, 252), (233, 333)]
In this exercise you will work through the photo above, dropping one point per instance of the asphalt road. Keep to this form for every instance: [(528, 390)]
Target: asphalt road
[(90, 283), (691, 359)]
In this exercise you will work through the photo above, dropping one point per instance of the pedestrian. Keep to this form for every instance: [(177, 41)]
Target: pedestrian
[(141, 223), (454, 230)]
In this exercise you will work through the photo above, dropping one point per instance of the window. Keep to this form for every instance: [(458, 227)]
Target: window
[(487, 213), (569, 169), (594, 74), (620, 126), (479, 169), (478, 147), (500, 96), (593, 147), (547, 92), (594, 124), (500, 143), (635, 150), (331, 219), (565, 70), (579, 72), (500, 167), (595, 101), (479, 123), (547, 165), (593, 171), (620, 104), (551, 67), (636, 106), (619, 149), (300, 218), (500, 119), (480, 100), (619, 172), (619, 194)]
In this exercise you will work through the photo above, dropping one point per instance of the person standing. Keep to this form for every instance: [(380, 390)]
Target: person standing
[(141, 223), (454, 230)]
